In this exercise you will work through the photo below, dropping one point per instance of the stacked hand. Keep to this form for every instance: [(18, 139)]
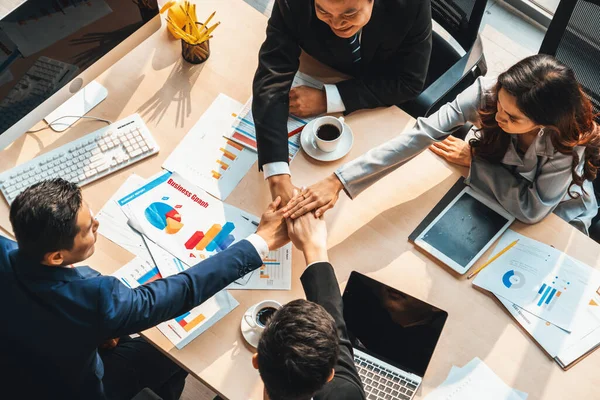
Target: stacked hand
[(282, 186), (308, 232), (309, 235), (320, 197)]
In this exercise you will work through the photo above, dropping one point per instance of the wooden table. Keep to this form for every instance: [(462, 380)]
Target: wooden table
[(368, 234)]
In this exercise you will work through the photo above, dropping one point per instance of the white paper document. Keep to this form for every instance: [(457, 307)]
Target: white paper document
[(184, 328), (113, 226), (543, 281), (274, 274), (243, 130), (185, 220), (113, 222), (207, 159), (474, 381)]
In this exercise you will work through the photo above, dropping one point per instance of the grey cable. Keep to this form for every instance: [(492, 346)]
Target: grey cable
[(49, 125)]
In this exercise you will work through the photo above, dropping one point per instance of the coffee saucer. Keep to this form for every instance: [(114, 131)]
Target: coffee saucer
[(252, 335), (310, 147)]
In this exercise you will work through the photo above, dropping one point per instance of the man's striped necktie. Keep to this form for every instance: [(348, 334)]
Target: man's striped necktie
[(355, 48)]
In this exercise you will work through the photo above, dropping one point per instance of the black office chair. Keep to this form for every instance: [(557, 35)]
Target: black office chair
[(449, 73), (573, 37)]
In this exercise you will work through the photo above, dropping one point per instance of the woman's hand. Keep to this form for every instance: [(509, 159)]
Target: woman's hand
[(454, 150), (321, 196)]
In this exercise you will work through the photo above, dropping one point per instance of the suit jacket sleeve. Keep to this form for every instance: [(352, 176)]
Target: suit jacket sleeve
[(359, 174), (278, 62), (321, 286), (402, 77), (125, 311)]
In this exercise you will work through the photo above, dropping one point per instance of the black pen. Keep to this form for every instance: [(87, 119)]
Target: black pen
[(250, 220)]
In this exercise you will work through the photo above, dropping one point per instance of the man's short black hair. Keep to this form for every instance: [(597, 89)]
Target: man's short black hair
[(297, 351), (44, 217)]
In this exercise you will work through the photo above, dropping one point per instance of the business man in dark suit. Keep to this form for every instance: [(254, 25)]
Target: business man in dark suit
[(55, 316), (384, 45), (304, 352)]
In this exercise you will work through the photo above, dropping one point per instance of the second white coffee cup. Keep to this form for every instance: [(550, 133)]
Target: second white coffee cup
[(261, 314), (328, 141)]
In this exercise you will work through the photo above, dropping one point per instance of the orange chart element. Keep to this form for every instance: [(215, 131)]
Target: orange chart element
[(593, 303), (209, 236), (173, 226)]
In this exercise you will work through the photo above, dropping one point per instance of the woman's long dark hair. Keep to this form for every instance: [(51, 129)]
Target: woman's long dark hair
[(549, 95)]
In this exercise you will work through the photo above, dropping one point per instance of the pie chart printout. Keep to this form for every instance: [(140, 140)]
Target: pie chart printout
[(164, 217)]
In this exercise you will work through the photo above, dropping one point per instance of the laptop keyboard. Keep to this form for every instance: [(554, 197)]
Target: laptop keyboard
[(381, 383)]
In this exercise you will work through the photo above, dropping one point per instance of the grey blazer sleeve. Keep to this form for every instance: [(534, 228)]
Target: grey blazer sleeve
[(359, 174)]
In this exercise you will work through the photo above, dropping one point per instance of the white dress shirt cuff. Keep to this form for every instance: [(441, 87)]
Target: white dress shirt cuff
[(334, 100), (276, 168), (261, 246)]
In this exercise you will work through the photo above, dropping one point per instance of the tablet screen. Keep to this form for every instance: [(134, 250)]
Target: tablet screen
[(464, 229)]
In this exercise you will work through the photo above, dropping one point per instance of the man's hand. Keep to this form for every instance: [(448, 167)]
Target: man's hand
[(307, 102), (309, 234), (454, 150), (272, 226), (110, 344), (281, 185)]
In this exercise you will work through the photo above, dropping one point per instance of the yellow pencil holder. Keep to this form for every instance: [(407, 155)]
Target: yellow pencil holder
[(195, 53)]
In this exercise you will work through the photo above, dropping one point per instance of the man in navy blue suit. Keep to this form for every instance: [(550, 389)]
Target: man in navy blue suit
[(55, 316)]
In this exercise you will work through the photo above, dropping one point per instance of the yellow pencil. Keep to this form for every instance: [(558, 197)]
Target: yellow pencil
[(491, 260)]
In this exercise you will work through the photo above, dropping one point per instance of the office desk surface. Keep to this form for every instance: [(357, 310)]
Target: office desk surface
[(368, 234)]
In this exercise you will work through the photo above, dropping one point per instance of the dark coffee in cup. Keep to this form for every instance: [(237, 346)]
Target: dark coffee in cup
[(328, 132), (264, 315)]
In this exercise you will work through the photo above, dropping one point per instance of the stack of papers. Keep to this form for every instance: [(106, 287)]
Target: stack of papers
[(474, 381), (243, 130), (184, 328), (556, 298), (275, 274)]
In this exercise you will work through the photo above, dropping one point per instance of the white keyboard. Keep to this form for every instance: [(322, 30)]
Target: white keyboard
[(41, 81), (85, 160)]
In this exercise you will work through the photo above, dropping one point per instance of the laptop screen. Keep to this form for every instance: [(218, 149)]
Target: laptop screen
[(391, 325)]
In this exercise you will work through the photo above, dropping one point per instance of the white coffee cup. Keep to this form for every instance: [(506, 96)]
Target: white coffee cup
[(328, 145), (254, 320)]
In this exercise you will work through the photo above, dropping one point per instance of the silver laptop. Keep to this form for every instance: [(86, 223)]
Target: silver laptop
[(393, 336)]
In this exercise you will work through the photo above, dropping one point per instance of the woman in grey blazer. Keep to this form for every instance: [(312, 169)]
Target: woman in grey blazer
[(536, 148)]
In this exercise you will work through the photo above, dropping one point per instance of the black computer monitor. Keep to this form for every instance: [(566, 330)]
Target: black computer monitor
[(49, 49)]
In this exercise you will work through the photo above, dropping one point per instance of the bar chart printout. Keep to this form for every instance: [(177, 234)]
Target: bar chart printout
[(137, 272), (184, 328), (549, 293), (243, 130), (541, 280), (274, 274), (207, 159)]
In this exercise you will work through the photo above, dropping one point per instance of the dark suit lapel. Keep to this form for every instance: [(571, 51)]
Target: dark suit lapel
[(372, 33), (337, 46)]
